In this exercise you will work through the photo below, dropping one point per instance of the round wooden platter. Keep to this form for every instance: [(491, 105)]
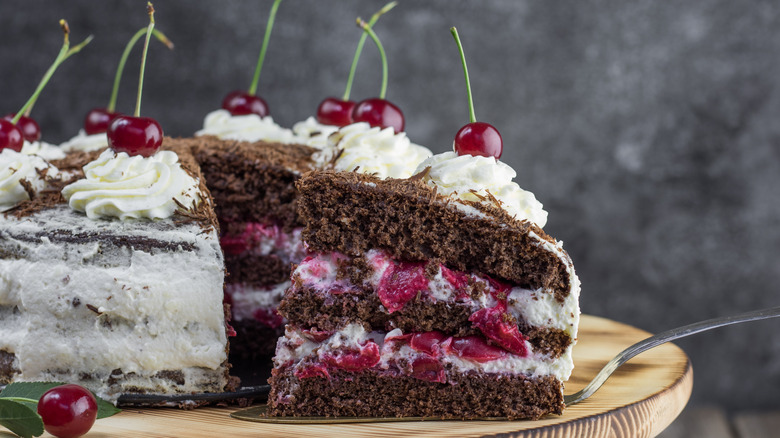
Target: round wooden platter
[(640, 400)]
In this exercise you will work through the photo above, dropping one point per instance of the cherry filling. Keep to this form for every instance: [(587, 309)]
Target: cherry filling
[(354, 360), (401, 282), (501, 328), (269, 317)]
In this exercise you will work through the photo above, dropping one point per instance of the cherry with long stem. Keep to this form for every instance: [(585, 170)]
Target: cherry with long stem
[(17, 127), (241, 103), (98, 119), (137, 135), (475, 138), (338, 112), (378, 112)]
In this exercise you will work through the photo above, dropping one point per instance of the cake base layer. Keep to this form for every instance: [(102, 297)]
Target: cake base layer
[(372, 394)]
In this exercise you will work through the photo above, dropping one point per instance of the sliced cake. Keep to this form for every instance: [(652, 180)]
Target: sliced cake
[(438, 295)]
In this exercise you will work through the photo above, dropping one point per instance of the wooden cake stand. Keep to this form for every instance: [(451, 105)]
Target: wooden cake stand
[(640, 400)]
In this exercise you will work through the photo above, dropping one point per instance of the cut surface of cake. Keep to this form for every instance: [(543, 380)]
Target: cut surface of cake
[(424, 300), (113, 277), (253, 184)]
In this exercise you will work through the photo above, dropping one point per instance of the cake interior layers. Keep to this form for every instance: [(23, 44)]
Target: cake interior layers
[(253, 185), (145, 330), (375, 318)]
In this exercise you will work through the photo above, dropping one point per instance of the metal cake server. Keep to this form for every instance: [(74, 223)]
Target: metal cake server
[(661, 338)]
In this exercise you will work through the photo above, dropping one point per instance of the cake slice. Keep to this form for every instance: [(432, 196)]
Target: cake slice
[(417, 301), (120, 289)]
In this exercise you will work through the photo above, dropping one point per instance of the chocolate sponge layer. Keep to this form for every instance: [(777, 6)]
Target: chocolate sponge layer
[(253, 181), (352, 213), (371, 394)]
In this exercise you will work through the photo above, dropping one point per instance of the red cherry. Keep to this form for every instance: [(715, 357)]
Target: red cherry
[(312, 370), (427, 342), (68, 411), (352, 360), (472, 348), (29, 127), (400, 283), (11, 136), (98, 121), (428, 369), (241, 103), (135, 135), (379, 112), (335, 112), (493, 323), (479, 138)]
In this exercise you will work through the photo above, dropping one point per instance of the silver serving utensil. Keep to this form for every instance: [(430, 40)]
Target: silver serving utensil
[(661, 338)]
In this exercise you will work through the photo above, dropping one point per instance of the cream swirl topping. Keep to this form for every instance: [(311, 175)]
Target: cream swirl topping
[(470, 178), (372, 150), (44, 150), (85, 143), (251, 127), (17, 166), (313, 133), (118, 185)]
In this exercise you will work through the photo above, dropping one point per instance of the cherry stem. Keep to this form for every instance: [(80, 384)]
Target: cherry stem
[(266, 38), (366, 28), (65, 52), (472, 116), (118, 77), (362, 42), (150, 11)]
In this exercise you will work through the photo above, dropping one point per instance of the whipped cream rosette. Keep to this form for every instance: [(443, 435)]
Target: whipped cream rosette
[(313, 133), (44, 150), (16, 167), (118, 185), (250, 127), (85, 142), (372, 150), (471, 178)]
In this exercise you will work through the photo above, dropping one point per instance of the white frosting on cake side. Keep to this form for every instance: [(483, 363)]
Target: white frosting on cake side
[(372, 150), (44, 150), (251, 127), (118, 185), (85, 143), (470, 178), (313, 133), (86, 298), (17, 166)]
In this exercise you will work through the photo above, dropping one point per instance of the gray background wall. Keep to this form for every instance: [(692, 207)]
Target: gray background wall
[(648, 129)]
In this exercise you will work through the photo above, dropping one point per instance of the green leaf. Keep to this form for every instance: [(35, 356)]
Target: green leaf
[(31, 390), (106, 409), (20, 419)]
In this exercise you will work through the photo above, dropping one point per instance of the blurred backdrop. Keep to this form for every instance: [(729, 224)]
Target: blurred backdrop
[(649, 130)]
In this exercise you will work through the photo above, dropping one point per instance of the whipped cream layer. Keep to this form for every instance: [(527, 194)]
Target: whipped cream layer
[(429, 356), (85, 143), (256, 303), (112, 305), (313, 133), (251, 128), (480, 293), (480, 179), (125, 187), (44, 150), (16, 167), (359, 147)]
